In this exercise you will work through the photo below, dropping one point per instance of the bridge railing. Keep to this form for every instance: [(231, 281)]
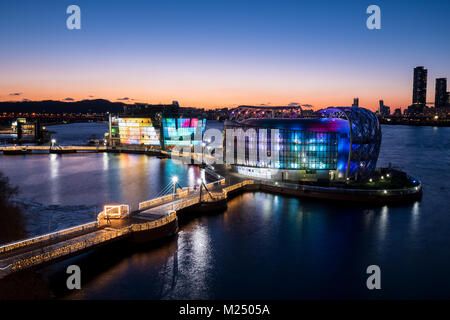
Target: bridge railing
[(179, 194), (155, 223), (185, 203), (233, 187), (46, 237), (160, 200)]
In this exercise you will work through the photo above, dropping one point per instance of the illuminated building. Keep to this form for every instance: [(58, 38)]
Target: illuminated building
[(183, 131), (340, 144), (137, 131), (156, 125), (146, 131), (28, 130), (23, 128)]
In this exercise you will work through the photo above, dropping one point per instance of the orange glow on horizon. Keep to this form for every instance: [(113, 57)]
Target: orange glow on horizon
[(211, 102)]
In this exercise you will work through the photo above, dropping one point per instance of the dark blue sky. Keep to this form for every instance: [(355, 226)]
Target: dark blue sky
[(214, 53)]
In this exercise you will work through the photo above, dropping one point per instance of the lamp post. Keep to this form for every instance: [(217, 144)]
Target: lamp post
[(53, 142), (200, 184), (174, 184)]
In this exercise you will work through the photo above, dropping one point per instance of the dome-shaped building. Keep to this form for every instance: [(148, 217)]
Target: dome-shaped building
[(337, 144)]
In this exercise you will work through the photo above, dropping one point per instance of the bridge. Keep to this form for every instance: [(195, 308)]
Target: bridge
[(114, 223)]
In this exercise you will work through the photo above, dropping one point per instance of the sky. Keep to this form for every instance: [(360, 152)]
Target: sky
[(222, 53)]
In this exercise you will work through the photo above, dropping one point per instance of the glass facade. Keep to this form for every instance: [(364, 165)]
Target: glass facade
[(343, 142), (296, 149), (137, 131), (144, 131), (308, 150), (182, 131)]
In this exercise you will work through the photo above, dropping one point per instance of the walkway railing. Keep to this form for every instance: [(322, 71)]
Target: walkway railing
[(46, 237)]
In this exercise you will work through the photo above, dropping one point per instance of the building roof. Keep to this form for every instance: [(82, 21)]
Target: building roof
[(303, 124)]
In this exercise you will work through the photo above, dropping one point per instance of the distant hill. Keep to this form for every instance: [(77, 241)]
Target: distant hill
[(51, 106)]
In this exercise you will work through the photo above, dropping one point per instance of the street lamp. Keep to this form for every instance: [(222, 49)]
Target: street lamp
[(174, 182), (53, 142), (200, 183)]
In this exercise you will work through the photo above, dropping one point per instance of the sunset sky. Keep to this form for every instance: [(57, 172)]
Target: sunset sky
[(222, 53)]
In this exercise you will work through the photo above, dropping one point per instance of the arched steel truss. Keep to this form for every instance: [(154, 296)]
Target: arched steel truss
[(365, 139)]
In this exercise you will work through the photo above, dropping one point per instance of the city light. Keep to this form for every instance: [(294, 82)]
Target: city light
[(174, 179)]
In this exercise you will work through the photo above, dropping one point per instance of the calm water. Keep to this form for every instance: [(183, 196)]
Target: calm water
[(263, 245)]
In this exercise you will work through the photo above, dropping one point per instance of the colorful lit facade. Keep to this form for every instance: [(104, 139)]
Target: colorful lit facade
[(339, 144), (147, 131), (137, 131), (183, 131)]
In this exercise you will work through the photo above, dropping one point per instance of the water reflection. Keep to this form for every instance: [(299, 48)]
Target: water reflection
[(415, 212), (87, 181), (155, 273), (383, 220), (54, 178)]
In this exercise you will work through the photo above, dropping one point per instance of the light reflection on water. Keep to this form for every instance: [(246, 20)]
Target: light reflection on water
[(263, 245), (60, 182)]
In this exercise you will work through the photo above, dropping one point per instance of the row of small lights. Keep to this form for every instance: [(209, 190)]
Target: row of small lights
[(382, 177), (175, 180)]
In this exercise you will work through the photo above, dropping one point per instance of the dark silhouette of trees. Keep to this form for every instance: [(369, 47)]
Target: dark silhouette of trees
[(11, 218)]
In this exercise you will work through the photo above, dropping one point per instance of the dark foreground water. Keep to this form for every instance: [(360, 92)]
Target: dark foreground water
[(263, 245)]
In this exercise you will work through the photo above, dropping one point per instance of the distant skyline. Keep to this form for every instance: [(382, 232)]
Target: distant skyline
[(222, 53)]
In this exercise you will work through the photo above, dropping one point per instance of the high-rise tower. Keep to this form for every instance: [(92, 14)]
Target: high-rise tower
[(420, 85), (440, 100)]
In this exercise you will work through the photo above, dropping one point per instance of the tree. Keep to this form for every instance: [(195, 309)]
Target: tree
[(11, 218)]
